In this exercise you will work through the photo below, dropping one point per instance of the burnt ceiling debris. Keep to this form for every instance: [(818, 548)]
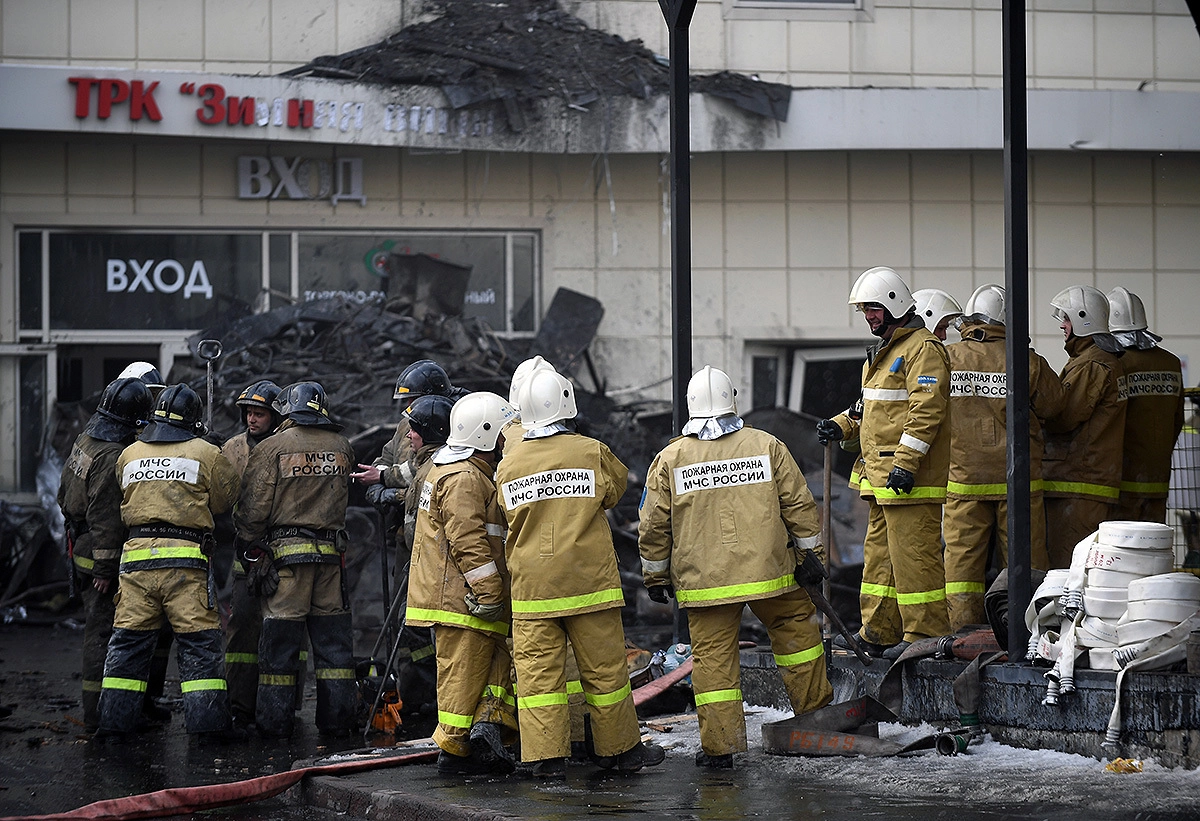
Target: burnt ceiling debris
[(522, 52)]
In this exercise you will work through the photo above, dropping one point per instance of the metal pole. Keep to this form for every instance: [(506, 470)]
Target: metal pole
[(1016, 283), (209, 350)]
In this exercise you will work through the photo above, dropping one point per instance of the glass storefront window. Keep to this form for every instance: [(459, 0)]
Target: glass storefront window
[(29, 254)]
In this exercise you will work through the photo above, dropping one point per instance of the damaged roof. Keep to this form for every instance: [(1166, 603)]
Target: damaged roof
[(520, 52)]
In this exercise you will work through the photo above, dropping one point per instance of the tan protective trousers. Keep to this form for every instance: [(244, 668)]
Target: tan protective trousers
[(539, 652), (474, 684), (968, 527), (1140, 509), (1070, 521), (716, 680), (903, 594)]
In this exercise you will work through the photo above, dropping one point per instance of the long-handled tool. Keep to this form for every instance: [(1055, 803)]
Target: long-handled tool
[(209, 350), (822, 603)]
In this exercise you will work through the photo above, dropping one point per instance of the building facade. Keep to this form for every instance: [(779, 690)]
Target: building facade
[(157, 174)]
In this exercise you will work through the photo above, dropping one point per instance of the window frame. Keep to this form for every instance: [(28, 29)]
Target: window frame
[(817, 10)]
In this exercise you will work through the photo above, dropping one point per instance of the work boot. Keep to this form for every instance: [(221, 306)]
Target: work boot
[(549, 768), (487, 746), (449, 764), (714, 762), (892, 653), (230, 735), (640, 755), (155, 713), (869, 647)]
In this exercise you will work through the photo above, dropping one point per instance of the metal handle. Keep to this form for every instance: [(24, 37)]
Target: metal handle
[(209, 350)]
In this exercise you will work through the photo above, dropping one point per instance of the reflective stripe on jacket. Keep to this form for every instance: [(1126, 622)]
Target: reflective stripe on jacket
[(458, 548), (716, 516), (554, 492), (1153, 387)]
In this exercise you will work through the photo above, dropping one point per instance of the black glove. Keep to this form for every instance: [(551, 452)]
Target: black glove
[(487, 612), (828, 431), (262, 579), (901, 480), (810, 570), (660, 592), (378, 495)]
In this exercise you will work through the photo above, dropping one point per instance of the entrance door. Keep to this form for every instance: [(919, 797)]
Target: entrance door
[(84, 370)]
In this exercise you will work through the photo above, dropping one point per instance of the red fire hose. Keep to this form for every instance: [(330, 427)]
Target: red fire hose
[(186, 800)]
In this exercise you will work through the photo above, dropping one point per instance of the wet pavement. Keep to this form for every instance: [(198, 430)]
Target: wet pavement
[(48, 764)]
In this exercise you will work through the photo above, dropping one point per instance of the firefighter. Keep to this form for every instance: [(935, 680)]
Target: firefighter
[(291, 517), (1153, 411), (904, 434), (937, 310), (458, 585), (245, 618), (89, 494), (147, 373), (721, 478), (173, 483), (555, 486), (1082, 466), (977, 492)]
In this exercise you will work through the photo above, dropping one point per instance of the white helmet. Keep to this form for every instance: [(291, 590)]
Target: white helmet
[(521, 376), (934, 305), (546, 397), (1085, 306), (145, 372), (885, 287), (477, 419), (986, 305), (1125, 311), (710, 393)]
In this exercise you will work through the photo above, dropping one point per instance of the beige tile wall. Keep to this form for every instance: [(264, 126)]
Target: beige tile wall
[(907, 43), (777, 239)]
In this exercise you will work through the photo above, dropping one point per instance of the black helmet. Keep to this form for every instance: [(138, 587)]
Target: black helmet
[(124, 405), (259, 395), (429, 416), (304, 403), (176, 416), (422, 378)]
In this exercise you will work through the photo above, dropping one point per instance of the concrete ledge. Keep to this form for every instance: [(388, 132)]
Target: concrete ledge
[(361, 799)]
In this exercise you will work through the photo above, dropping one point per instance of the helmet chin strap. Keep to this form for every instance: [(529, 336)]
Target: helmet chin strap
[(889, 324)]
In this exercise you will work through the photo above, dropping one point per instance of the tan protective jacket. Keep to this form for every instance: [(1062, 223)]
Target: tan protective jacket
[(458, 548), (394, 461), (1153, 419), (294, 494), (421, 466), (237, 450), (979, 416), (90, 497), (906, 399), (1084, 441), (172, 483), (554, 492), (716, 516)]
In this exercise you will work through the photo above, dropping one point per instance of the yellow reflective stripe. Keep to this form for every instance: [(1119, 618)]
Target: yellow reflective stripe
[(574, 686), (881, 590), (460, 619), (965, 587), (923, 597), (989, 490), (545, 700), (277, 680), (199, 684), (454, 719), (142, 554), (718, 696), (131, 684), (1084, 487), (802, 657), (334, 673), (90, 685), (84, 563), (241, 658), (917, 492), (606, 699), (732, 590), (499, 693), (303, 655), (568, 602), (303, 547), (422, 652), (1145, 487)]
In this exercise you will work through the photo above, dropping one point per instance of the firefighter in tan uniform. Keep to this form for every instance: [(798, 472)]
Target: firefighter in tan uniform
[(172, 484), (1084, 441), (904, 433), (89, 494), (245, 617), (717, 512), (937, 309), (291, 517), (555, 487), (1154, 410), (458, 585), (977, 493)]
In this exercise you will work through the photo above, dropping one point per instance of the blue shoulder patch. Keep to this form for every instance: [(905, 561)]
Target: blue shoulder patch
[(927, 380)]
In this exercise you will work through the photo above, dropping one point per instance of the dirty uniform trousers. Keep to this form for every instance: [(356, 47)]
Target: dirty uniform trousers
[(242, 634), (145, 597), (1140, 509), (1068, 522), (968, 527), (474, 684), (539, 654), (309, 596), (716, 678), (903, 594)]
